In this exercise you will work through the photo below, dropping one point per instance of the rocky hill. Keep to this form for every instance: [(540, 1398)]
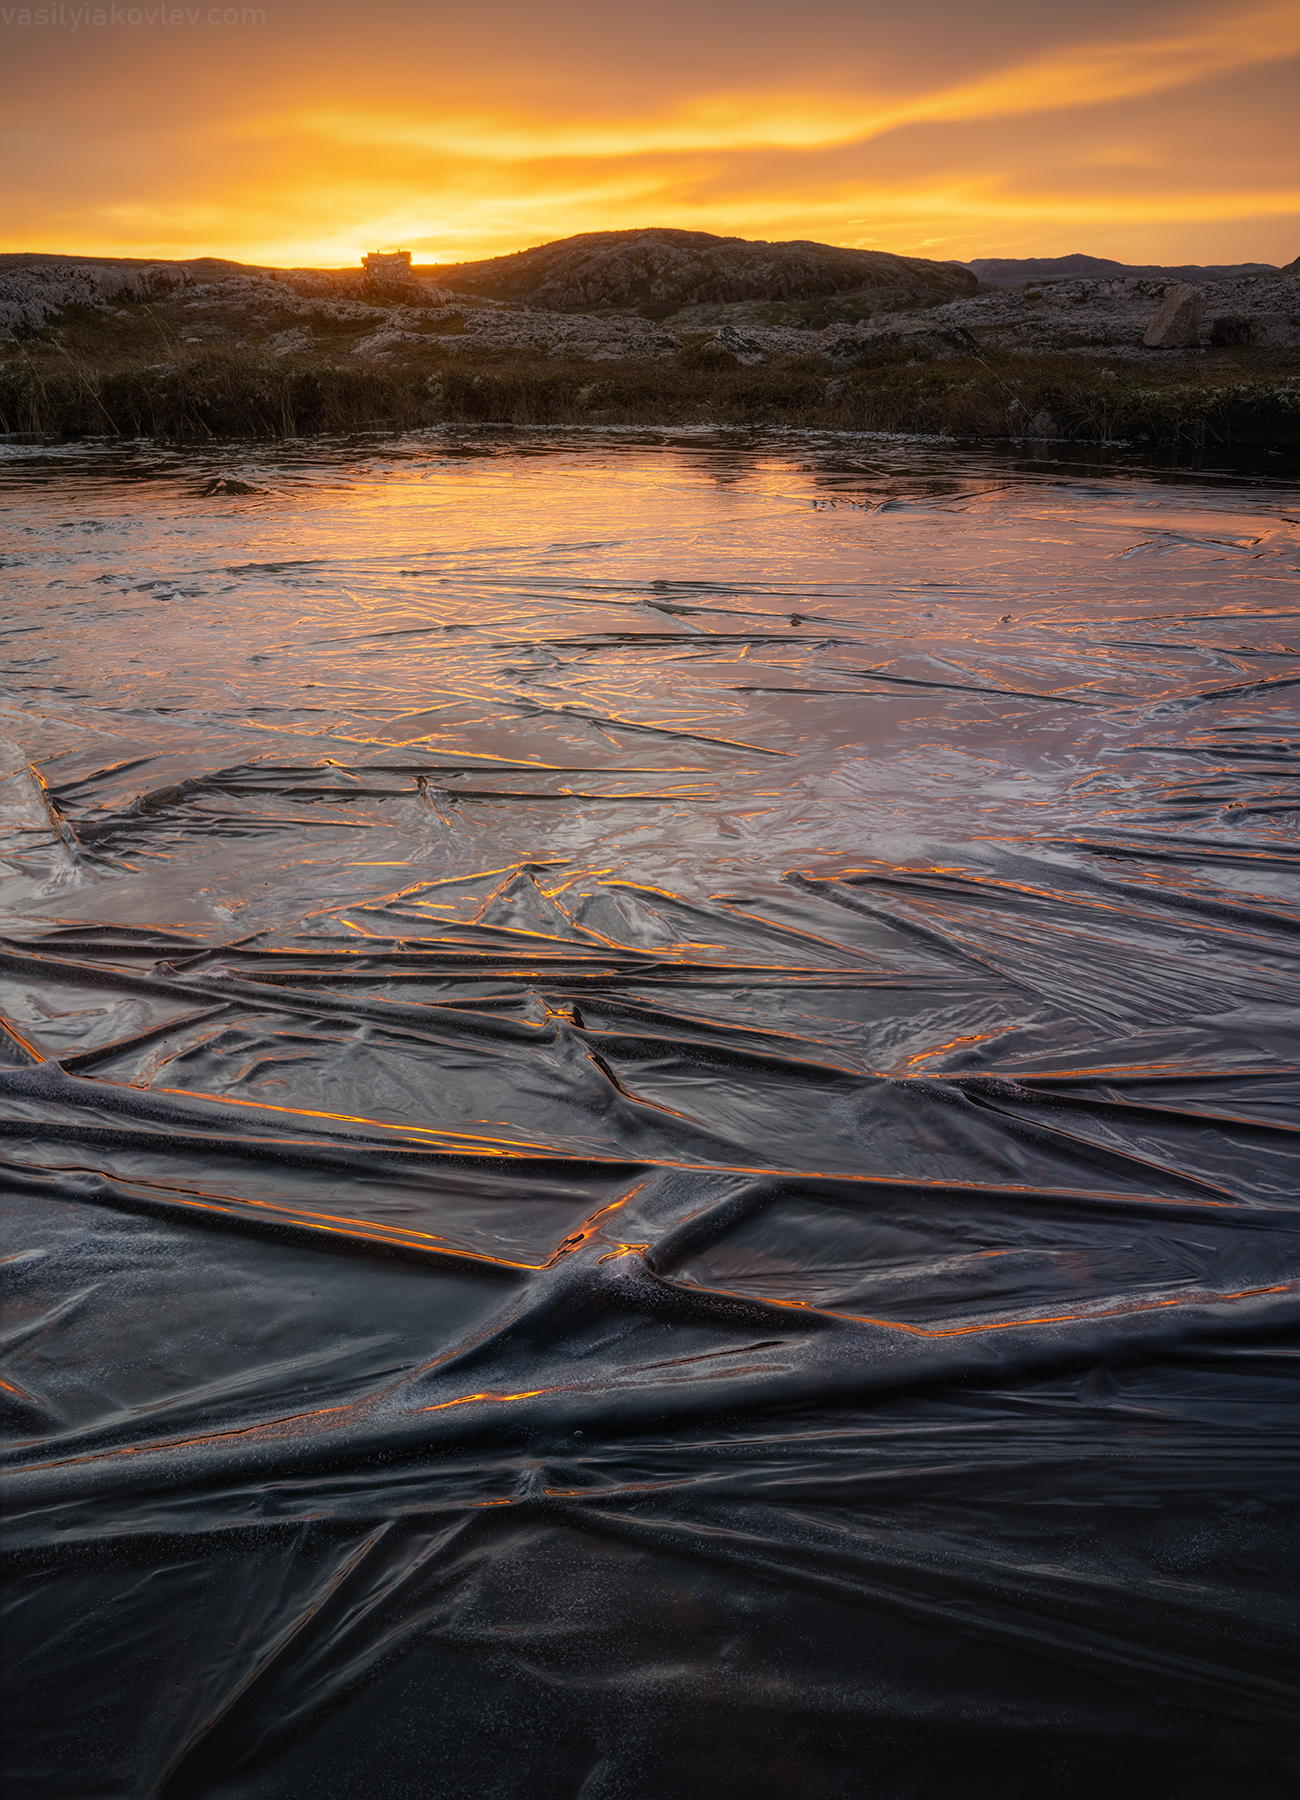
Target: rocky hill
[(1019, 271), (651, 297), (658, 272), (1112, 316)]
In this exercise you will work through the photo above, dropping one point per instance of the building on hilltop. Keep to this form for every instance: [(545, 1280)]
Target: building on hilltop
[(387, 262)]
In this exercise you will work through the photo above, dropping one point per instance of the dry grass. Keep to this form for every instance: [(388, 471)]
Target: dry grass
[(214, 394)]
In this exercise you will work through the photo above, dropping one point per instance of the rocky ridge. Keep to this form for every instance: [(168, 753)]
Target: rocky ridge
[(557, 301), (1113, 315), (1020, 271)]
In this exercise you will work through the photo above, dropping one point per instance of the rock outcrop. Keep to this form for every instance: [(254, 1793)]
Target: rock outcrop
[(920, 341), (1099, 318), (1269, 331), (34, 292), (745, 348), (1177, 321), (600, 338)]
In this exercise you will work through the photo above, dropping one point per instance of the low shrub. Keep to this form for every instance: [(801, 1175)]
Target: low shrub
[(231, 394)]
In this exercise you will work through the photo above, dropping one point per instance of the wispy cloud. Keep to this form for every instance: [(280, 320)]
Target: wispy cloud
[(1151, 131), (1075, 74)]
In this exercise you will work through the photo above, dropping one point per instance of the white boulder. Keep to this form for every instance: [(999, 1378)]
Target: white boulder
[(1176, 322)]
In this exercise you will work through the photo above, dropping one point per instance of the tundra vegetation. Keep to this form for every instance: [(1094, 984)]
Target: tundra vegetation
[(651, 329)]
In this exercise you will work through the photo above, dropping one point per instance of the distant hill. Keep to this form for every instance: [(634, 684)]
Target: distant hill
[(1015, 271), (658, 271)]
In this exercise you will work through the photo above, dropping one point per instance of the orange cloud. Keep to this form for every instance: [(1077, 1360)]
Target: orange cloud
[(1152, 134), (1072, 76)]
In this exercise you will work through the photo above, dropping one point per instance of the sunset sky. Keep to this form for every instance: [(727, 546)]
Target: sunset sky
[(1137, 129)]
